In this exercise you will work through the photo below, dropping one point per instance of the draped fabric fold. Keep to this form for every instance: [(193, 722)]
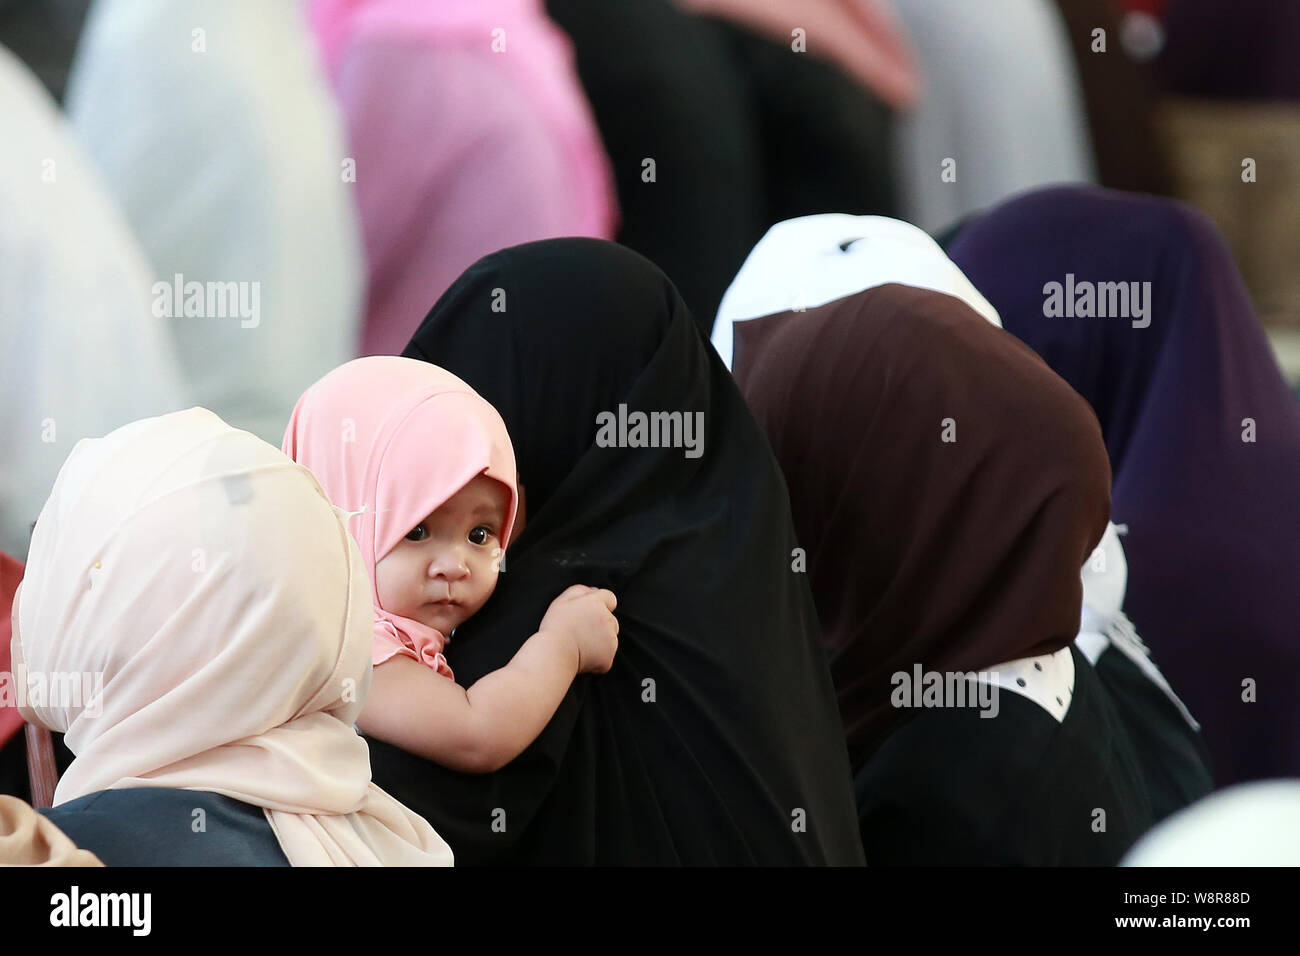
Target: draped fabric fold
[(28, 839)]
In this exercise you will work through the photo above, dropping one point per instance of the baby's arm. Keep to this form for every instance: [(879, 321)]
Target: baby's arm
[(483, 728)]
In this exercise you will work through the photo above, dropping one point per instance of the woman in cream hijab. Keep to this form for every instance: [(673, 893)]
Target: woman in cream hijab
[(217, 618)]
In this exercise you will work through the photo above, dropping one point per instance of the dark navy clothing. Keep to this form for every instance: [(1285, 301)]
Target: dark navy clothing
[(155, 826)]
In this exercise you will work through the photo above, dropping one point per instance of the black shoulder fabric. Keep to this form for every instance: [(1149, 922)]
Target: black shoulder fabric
[(155, 826), (13, 768), (715, 738), (952, 788), (1173, 757)]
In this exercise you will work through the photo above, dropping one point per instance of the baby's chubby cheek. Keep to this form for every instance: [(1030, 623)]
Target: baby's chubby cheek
[(489, 584), (397, 586)]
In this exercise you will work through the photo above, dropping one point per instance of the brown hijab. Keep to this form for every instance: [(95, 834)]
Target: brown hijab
[(946, 484)]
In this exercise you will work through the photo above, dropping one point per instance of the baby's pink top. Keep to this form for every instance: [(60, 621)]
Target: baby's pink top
[(470, 133), (391, 440)]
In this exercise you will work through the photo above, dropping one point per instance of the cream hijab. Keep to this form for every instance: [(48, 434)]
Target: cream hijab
[(210, 583), (806, 262)]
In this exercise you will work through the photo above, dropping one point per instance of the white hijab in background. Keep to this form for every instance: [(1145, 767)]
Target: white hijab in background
[(216, 589), (1252, 824), (80, 351), (806, 262), (1001, 98), (214, 126)]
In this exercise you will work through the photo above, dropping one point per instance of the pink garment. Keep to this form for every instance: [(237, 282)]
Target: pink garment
[(390, 440), (862, 37), (470, 133), (11, 573)]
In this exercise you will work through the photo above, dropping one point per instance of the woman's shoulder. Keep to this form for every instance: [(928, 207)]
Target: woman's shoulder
[(1011, 782), (157, 826)]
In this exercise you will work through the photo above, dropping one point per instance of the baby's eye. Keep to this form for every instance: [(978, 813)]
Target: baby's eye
[(481, 534), (416, 534)]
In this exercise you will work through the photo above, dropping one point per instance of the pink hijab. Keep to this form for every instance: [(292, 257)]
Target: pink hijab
[(470, 133), (390, 440), (862, 37)]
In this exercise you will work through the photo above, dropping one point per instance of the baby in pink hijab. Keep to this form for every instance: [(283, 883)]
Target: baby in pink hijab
[(424, 468)]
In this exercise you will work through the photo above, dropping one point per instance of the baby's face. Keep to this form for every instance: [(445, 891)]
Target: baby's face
[(446, 567)]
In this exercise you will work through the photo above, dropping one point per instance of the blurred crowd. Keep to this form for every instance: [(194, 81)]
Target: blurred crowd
[(971, 298)]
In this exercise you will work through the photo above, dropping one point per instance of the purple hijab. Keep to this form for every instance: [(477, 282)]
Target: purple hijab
[(1213, 517)]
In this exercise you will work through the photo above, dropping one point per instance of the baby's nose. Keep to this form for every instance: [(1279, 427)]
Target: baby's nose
[(451, 566)]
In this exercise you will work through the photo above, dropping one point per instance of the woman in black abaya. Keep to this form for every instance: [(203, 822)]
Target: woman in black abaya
[(715, 738)]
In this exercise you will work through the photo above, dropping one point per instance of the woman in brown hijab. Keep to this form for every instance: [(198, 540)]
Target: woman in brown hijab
[(947, 486)]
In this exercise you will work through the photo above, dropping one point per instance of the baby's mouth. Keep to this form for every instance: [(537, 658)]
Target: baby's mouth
[(444, 606)]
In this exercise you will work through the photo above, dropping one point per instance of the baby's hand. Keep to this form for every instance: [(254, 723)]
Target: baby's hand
[(585, 615)]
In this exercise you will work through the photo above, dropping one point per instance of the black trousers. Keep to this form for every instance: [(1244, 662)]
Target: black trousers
[(743, 132)]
